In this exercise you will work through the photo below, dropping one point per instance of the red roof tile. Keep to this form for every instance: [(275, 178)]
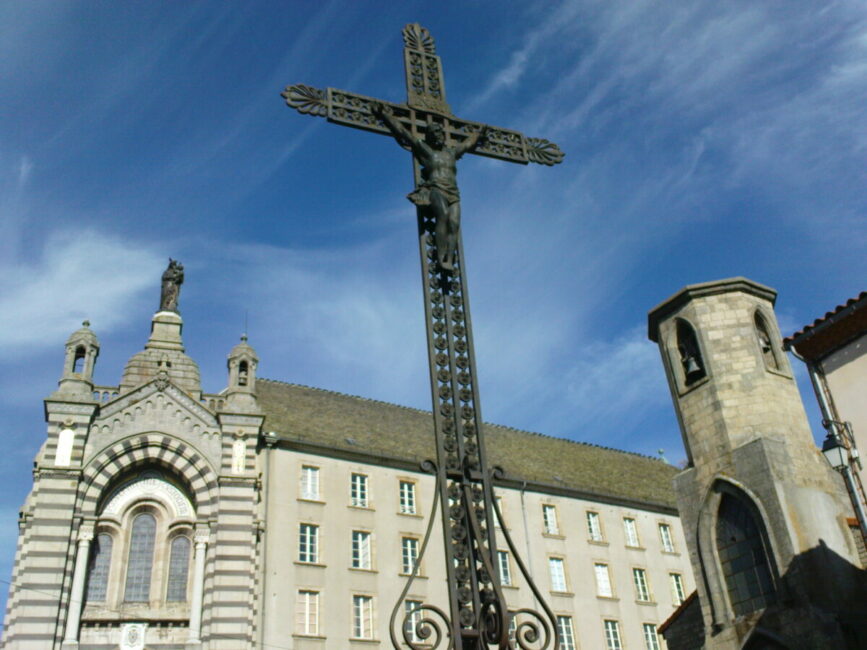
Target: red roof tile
[(831, 330)]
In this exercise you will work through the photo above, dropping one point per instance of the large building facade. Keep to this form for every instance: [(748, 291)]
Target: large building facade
[(280, 516)]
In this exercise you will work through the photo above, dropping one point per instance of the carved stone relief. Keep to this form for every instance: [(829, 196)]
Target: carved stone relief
[(151, 488), (132, 636)]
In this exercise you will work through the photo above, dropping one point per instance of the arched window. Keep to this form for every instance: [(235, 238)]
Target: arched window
[(741, 546), (78, 360), (690, 355), (243, 371), (179, 564), (766, 343), (141, 563), (141, 559), (100, 562)]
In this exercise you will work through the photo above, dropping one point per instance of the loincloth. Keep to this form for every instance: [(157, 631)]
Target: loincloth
[(421, 195)]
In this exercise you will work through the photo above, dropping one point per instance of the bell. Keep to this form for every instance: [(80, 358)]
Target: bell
[(691, 366)]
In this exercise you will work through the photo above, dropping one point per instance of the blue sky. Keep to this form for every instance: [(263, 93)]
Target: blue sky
[(703, 140)]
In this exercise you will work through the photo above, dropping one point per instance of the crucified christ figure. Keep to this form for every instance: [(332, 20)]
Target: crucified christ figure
[(438, 190)]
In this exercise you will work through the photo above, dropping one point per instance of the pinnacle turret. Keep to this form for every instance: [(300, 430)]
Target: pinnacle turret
[(242, 363), (82, 349)]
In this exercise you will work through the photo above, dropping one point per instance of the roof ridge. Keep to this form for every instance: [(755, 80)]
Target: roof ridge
[(337, 392), (491, 424)]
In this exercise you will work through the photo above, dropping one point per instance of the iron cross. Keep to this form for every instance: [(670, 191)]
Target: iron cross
[(479, 616)]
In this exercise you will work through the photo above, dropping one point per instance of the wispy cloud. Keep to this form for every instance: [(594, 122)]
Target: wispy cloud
[(601, 391), (508, 77), (617, 380), (77, 275), (25, 168), (333, 317)]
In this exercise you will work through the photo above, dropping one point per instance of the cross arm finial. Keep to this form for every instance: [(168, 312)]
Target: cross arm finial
[(416, 37)]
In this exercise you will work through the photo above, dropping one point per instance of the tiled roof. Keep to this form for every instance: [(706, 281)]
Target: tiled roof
[(830, 331), (677, 613), (350, 424)]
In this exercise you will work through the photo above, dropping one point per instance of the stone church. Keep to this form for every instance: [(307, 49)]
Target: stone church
[(274, 515), (768, 522)]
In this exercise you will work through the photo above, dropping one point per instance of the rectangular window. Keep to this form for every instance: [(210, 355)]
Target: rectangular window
[(612, 635), (513, 627), (549, 516), (665, 536), (651, 638), (677, 595), (307, 613), (603, 580), (407, 497), (505, 569), (362, 617), (642, 591), (360, 550), (358, 496), (630, 531), (413, 618), (409, 554), (558, 573), (594, 528), (566, 632), (309, 482), (308, 543)]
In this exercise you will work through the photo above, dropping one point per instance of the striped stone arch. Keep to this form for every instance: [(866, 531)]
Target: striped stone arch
[(154, 450)]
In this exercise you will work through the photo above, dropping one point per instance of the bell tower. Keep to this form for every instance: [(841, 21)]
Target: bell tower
[(764, 515), (82, 349), (241, 391)]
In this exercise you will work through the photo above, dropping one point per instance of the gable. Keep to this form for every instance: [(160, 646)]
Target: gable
[(156, 406)]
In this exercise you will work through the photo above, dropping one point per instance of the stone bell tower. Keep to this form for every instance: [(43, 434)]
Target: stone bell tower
[(82, 349), (764, 515)]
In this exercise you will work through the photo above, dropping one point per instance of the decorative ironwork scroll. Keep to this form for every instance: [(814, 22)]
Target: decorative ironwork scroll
[(478, 616)]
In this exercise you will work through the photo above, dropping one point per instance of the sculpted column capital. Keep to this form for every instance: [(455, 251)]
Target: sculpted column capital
[(85, 533), (202, 535)]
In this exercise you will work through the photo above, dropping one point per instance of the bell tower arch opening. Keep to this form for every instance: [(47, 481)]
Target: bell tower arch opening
[(691, 360), (78, 360), (766, 342)]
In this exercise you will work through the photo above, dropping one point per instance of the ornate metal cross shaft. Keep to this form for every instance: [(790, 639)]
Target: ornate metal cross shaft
[(478, 613)]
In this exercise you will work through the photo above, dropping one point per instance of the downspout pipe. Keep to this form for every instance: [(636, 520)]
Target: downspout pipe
[(527, 534), (827, 416)]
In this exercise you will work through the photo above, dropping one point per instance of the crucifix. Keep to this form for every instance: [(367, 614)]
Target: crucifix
[(478, 615)]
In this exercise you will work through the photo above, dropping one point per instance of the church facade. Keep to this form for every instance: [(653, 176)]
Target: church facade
[(281, 516)]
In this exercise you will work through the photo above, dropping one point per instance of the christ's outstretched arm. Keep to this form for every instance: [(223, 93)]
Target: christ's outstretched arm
[(471, 142), (419, 148)]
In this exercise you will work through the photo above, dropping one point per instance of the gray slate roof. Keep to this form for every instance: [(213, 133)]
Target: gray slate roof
[(356, 425)]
